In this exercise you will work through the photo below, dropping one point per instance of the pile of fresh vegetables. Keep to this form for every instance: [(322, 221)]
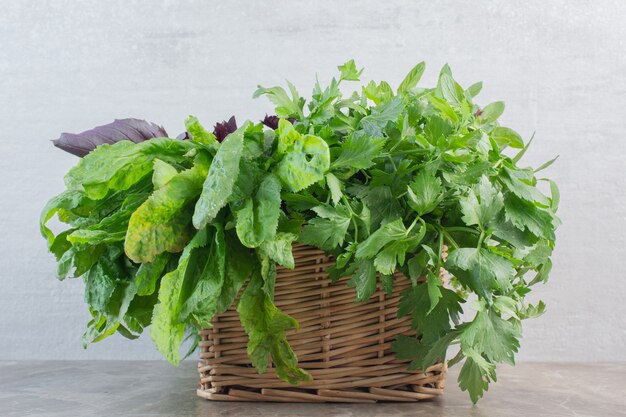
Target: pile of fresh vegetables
[(166, 232)]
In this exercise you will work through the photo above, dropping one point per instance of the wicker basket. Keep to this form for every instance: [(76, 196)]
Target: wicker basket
[(344, 345)]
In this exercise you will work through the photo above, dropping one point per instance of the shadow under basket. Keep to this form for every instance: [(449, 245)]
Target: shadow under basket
[(344, 345)]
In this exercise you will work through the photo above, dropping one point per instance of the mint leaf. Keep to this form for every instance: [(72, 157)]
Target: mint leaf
[(505, 136), (491, 112), (474, 89), (447, 87), (412, 78)]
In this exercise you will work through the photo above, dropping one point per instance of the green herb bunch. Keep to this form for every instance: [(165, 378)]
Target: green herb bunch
[(166, 232)]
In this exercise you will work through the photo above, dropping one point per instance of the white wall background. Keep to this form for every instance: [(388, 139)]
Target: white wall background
[(68, 66)]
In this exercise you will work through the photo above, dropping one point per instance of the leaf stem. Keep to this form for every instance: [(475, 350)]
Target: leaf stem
[(481, 239), (462, 229)]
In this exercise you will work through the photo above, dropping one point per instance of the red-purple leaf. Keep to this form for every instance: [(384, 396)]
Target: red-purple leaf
[(272, 121), (225, 128), (134, 130)]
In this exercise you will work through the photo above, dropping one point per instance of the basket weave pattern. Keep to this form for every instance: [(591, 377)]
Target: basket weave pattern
[(344, 345)]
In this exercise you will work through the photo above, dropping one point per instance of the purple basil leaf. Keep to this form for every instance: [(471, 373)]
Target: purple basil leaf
[(184, 136), (225, 128), (270, 121), (134, 130)]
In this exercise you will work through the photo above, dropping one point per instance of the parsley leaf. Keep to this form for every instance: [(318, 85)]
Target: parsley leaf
[(328, 230), (481, 270), (424, 193)]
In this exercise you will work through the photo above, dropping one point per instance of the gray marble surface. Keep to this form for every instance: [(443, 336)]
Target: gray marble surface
[(125, 388)]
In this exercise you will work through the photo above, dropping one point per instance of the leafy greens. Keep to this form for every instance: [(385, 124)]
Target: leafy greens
[(166, 232)]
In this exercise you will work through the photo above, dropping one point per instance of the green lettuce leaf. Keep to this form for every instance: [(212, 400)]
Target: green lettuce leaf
[(117, 167), (266, 325), (218, 186), (161, 223)]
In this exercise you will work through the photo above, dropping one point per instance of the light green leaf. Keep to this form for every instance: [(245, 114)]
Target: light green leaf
[(161, 223), (424, 193), (199, 133), (412, 78), (67, 200), (447, 87), (390, 232), (505, 136), (349, 71), (279, 249), (166, 331), (202, 303), (285, 106), (474, 89), (266, 326), (119, 166), (481, 270), (223, 173), (305, 160), (258, 219), (327, 231), (364, 280), (163, 172), (335, 187), (491, 112), (358, 152), (239, 263), (482, 205)]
